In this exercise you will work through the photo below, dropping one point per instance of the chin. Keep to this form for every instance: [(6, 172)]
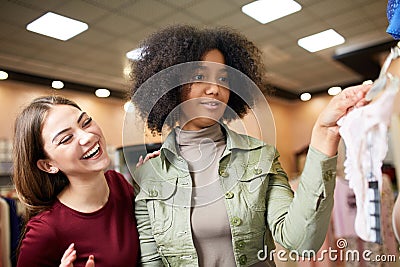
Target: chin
[(104, 164)]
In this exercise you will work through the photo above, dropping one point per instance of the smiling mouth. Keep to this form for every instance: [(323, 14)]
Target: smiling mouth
[(210, 103), (92, 152)]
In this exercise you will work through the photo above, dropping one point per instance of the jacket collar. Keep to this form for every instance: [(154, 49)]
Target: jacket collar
[(233, 141), (240, 141)]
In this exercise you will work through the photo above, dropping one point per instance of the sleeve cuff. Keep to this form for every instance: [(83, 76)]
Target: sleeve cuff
[(319, 171)]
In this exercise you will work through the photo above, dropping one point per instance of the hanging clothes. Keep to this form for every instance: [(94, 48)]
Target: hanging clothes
[(364, 131), (5, 238), (343, 218), (11, 214), (15, 229), (344, 210)]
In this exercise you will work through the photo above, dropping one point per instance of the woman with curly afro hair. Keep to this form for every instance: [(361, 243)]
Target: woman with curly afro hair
[(181, 44), (214, 197)]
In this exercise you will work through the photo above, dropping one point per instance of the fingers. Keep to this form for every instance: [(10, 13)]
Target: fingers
[(90, 261), (352, 95), (68, 257), (140, 161), (151, 155), (325, 136), (348, 99), (360, 92), (361, 103)]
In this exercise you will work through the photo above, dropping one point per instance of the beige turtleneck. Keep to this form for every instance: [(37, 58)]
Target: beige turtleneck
[(209, 220)]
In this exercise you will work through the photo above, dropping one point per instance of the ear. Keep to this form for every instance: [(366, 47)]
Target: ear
[(45, 166)]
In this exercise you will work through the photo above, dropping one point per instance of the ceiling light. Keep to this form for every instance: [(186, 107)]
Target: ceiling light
[(305, 96), (266, 11), (320, 41), (134, 54), (57, 26), (335, 90), (57, 84), (102, 92), (3, 75)]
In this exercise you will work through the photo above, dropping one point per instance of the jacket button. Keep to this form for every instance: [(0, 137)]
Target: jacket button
[(229, 195), (153, 193), (329, 174), (240, 244), (236, 221), (242, 259), (223, 173), (257, 171)]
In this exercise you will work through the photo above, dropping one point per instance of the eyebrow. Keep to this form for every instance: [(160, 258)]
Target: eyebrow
[(81, 116), (63, 131), (59, 133), (205, 67)]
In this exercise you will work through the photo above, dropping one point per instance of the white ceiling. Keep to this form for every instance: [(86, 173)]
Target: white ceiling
[(97, 56)]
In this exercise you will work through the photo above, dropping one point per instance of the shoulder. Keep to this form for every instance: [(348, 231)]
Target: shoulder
[(41, 229), (42, 220), (114, 177), (118, 182), (41, 245), (112, 174), (246, 142)]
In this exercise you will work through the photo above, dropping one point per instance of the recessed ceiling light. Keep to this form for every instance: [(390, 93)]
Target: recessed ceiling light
[(57, 26), (335, 90), (134, 54), (3, 75), (266, 11), (57, 84), (102, 92), (305, 96), (320, 41)]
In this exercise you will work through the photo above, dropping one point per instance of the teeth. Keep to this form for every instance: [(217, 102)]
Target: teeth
[(211, 103), (92, 152)]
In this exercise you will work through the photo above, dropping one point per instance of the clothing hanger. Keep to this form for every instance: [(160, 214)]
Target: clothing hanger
[(385, 76)]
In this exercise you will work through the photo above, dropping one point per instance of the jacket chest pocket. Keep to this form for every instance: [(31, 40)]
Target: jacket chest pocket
[(159, 197), (254, 185)]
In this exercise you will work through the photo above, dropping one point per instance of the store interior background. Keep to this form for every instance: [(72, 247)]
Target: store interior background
[(96, 59)]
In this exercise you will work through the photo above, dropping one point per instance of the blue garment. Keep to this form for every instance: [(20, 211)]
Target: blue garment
[(15, 228), (393, 14)]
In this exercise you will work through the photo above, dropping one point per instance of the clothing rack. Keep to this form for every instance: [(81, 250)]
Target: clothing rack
[(10, 223), (6, 183)]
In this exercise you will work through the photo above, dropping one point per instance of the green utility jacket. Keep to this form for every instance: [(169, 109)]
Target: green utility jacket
[(260, 204)]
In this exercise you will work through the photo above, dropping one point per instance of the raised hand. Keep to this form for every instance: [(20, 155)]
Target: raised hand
[(148, 156), (70, 256), (325, 136)]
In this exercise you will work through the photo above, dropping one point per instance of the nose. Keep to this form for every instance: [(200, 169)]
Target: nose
[(84, 137), (212, 89)]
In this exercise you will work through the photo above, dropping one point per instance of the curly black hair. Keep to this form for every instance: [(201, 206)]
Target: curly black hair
[(179, 44)]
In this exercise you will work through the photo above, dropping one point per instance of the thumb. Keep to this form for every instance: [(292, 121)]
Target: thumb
[(90, 261)]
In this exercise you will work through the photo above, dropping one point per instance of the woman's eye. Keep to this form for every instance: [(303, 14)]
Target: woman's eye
[(87, 122), (65, 139), (198, 77), (224, 79)]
